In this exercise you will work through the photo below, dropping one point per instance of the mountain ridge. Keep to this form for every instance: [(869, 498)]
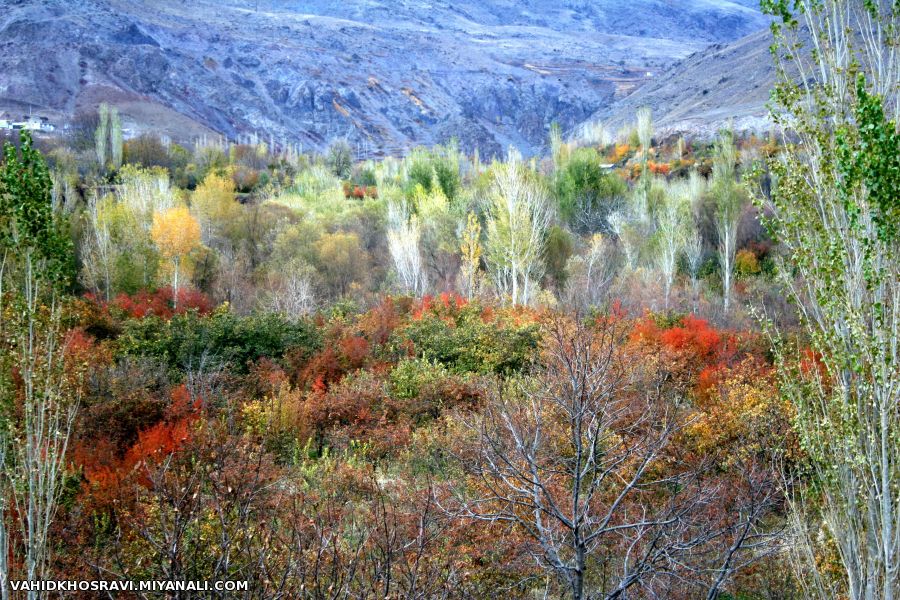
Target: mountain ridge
[(385, 75)]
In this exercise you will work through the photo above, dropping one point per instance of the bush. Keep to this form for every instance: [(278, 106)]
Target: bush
[(746, 264), (219, 339), (466, 339)]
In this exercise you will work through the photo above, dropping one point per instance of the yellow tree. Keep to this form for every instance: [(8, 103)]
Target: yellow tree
[(470, 251), (176, 233), (214, 204)]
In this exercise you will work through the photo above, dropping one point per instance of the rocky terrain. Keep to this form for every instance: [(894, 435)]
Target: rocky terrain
[(385, 74), (723, 84)]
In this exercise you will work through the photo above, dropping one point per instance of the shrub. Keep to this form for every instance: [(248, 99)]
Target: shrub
[(746, 263), (219, 339), (465, 339)]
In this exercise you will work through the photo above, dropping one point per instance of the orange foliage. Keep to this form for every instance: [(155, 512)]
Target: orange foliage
[(360, 191), (104, 469), (175, 232), (620, 151), (693, 337), (659, 168)]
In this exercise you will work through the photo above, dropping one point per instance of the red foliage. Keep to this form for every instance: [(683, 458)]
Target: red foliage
[(160, 303), (355, 350), (265, 378), (322, 369), (447, 306), (82, 350), (812, 363), (103, 466), (693, 337), (708, 381), (378, 324), (360, 191)]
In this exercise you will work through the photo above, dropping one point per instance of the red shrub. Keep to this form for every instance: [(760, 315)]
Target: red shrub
[(160, 303), (693, 337), (105, 467)]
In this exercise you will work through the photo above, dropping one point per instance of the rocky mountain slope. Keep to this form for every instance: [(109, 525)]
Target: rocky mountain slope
[(386, 74), (723, 84)]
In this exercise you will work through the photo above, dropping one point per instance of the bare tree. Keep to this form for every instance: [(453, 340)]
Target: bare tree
[(404, 234), (591, 273), (518, 216), (97, 251), (292, 292), (728, 209), (693, 251), (37, 439), (671, 232), (572, 459)]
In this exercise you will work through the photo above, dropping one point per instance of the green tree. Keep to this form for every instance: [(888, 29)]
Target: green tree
[(37, 400), (834, 208), (33, 237), (585, 193), (340, 159)]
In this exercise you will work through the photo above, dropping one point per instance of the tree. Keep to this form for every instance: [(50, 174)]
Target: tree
[(291, 290), (340, 158), (645, 138), (834, 208), (693, 246), (470, 251), (572, 461), (341, 260), (403, 236), (214, 204), (693, 251), (108, 142), (38, 399), (115, 138), (559, 149), (518, 216), (101, 136), (97, 251), (728, 201), (591, 273), (671, 232), (176, 233), (585, 192), (117, 251)]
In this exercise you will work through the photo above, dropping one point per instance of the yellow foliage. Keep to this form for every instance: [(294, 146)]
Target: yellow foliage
[(175, 232), (746, 263), (214, 204)]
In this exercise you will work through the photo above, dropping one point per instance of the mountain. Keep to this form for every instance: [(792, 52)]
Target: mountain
[(723, 84), (385, 74)]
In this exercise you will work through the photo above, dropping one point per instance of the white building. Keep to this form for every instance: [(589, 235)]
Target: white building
[(33, 123)]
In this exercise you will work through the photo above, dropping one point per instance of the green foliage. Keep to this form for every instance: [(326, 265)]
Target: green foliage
[(870, 159), (435, 169), (582, 188), (340, 159), (410, 376), (559, 248), (29, 226), (190, 341), (469, 343)]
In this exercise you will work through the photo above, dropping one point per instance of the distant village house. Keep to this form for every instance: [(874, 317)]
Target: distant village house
[(28, 123)]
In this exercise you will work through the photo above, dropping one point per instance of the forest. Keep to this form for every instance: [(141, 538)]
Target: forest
[(639, 365)]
